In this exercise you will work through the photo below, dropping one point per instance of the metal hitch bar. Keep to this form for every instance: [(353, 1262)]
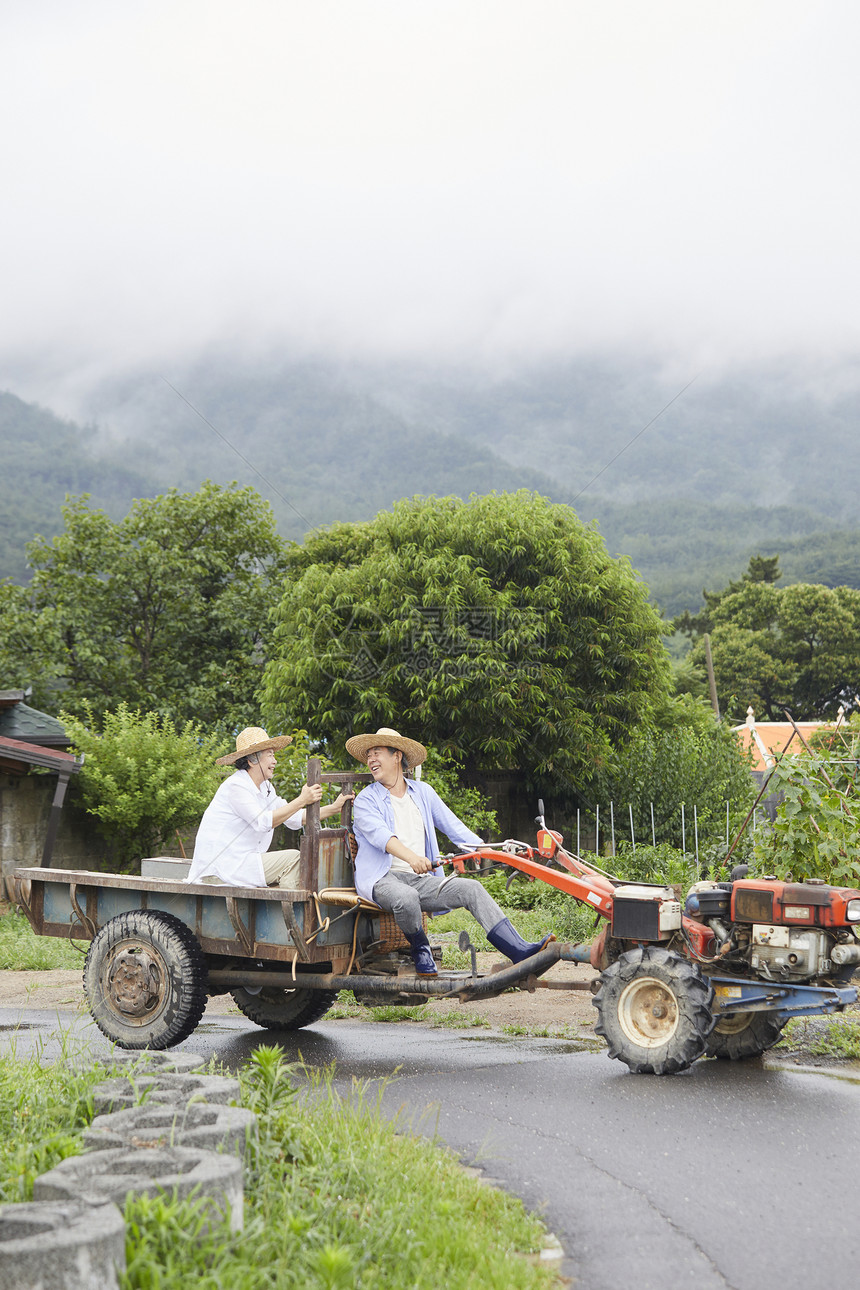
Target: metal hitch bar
[(734, 994), (464, 986)]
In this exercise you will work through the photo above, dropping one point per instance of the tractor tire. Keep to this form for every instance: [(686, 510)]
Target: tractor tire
[(654, 1011), (145, 980), (277, 1009), (744, 1034)]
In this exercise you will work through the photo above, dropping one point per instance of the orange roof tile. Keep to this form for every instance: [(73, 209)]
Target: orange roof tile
[(775, 735)]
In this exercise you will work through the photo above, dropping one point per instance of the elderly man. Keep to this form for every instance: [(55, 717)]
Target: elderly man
[(237, 826), (395, 824)]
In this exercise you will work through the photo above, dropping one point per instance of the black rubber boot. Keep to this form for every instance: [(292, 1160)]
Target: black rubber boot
[(505, 938), (425, 964)]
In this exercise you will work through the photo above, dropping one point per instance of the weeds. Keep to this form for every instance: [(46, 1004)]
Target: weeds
[(48, 1106), (21, 950), (336, 1197), (839, 1038)]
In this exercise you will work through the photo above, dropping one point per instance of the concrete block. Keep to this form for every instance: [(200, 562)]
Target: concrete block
[(150, 1059), (61, 1245), (168, 867), (114, 1175), (211, 1128), (165, 1088), (143, 1061)]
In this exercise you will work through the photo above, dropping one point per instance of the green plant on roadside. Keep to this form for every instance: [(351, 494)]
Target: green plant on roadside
[(143, 778), (663, 863), (546, 1032), (329, 1193), (391, 1012), (816, 833), (49, 1107), (839, 1038), (21, 950), (458, 1019)]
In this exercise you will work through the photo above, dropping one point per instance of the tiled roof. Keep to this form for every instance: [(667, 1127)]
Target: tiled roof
[(16, 751), (20, 721), (775, 735)]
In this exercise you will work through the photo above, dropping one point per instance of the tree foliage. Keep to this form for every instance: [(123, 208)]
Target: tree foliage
[(816, 833), (142, 778), (794, 647), (496, 629), (165, 610), (689, 759)]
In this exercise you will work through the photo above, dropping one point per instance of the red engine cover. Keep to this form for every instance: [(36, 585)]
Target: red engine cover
[(800, 904)]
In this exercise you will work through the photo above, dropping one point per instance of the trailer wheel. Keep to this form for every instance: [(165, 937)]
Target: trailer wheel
[(654, 1011), (145, 980), (744, 1034), (277, 1009)]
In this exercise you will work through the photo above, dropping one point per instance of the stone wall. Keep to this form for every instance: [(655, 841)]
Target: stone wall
[(25, 808)]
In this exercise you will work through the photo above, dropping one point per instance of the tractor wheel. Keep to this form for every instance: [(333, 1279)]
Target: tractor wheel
[(277, 1009), (655, 1011), (744, 1034), (145, 980)]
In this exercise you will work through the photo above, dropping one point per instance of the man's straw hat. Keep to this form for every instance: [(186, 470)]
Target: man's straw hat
[(253, 740), (359, 745)]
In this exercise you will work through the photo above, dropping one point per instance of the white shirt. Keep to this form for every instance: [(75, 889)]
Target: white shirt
[(408, 829), (236, 829)]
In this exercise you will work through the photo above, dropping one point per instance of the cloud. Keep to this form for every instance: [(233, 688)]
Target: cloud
[(486, 179)]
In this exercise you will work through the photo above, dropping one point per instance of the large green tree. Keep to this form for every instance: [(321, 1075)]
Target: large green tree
[(498, 630), (795, 647), (165, 610)]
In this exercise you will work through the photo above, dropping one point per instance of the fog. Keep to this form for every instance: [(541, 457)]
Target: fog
[(492, 182)]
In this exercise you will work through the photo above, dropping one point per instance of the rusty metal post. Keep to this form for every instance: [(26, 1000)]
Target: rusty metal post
[(310, 846), (54, 821)]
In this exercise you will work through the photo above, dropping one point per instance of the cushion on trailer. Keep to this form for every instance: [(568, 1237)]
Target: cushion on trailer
[(346, 896)]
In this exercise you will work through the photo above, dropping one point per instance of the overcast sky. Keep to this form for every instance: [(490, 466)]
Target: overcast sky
[(486, 180)]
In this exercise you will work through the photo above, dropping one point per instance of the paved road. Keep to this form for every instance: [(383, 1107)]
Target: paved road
[(725, 1176)]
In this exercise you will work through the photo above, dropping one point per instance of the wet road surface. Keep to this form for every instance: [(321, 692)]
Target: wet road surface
[(730, 1175)]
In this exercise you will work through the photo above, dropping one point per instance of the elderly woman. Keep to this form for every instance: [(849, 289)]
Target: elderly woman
[(395, 824), (235, 834)]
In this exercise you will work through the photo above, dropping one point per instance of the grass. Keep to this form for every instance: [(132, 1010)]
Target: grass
[(840, 1038), (336, 1196), (346, 1008), (21, 950)]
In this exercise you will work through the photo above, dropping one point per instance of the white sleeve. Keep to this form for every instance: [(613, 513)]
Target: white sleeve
[(294, 821)]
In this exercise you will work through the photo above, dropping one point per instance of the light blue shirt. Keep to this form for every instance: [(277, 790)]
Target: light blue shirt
[(373, 819)]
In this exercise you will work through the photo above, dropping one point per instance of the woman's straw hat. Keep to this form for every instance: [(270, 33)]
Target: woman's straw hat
[(359, 745), (253, 740)]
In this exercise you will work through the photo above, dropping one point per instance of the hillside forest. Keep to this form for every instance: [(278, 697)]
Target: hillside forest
[(688, 490)]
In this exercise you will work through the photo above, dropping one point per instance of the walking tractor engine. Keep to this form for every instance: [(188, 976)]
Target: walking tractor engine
[(780, 931)]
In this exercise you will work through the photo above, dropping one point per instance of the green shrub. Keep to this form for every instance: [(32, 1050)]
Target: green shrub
[(143, 779), (816, 833)]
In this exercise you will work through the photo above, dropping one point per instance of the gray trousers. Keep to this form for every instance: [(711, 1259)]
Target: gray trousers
[(407, 895)]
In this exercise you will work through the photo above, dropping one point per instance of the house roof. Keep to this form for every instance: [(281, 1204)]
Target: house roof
[(19, 721), (774, 736), (15, 754)]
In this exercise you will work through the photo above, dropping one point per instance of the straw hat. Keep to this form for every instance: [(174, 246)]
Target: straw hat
[(359, 745), (253, 740)]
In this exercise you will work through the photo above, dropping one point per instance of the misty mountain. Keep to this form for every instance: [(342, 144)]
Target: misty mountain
[(45, 457), (687, 485)]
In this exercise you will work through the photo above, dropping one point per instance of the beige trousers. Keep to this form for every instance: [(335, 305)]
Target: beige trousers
[(281, 868)]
